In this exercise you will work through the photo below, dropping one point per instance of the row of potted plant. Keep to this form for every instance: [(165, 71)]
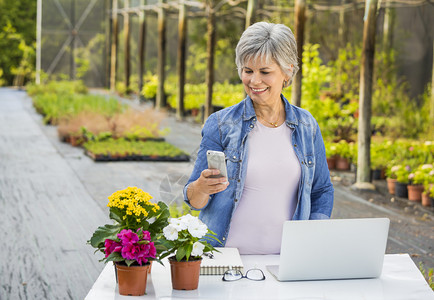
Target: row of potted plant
[(384, 153), (58, 100), (340, 154), (108, 130), (414, 183), (129, 124), (110, 149), (406, 164), (143, 232)]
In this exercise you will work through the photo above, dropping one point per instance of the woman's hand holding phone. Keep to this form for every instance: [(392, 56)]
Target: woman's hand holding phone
[(211, 181)]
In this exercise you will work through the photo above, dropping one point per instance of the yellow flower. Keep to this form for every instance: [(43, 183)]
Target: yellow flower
[(133, 201)]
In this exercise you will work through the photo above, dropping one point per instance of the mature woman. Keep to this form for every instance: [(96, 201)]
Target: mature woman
[(276, 163)]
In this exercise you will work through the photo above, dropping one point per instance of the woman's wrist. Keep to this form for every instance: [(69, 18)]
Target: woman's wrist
[(196, 198)]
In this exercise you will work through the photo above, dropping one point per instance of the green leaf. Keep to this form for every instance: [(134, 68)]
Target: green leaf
[(180, 254), (129, 262), (165, 210), (188, 252), (116, 214), (104, 232), (163, 244), (114, 256)]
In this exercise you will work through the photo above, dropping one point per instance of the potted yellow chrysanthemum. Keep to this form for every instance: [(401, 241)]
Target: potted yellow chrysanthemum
[(133, 241)]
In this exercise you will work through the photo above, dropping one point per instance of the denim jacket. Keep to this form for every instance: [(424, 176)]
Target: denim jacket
[(227, 131)]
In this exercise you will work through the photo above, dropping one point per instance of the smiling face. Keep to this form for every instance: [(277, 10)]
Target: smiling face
[(263, 81)]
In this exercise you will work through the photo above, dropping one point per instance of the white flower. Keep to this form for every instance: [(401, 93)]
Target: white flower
[(394, 168), (197, 228), (197, 249), (178, 224), (426, 166), (151, 220), (170, 232), (186, 219)]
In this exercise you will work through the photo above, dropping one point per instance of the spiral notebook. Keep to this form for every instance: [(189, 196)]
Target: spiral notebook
[(227, 258)]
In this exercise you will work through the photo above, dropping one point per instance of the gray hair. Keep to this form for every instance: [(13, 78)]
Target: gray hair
[(268, 41)]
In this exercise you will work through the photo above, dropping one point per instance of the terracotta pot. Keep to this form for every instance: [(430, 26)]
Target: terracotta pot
[(342, 164), (401, 190), (132, 280), (185, 274), (415, 192), (331, 162), (75, 141), (426, 200), (391, 185)]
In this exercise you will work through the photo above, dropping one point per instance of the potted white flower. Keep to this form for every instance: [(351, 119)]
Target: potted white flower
[(187, 241)]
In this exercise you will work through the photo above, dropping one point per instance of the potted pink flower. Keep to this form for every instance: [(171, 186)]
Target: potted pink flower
[(417, 180), (391, 178)]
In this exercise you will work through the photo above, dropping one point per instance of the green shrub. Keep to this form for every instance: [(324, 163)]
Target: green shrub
[(150, 84), (224, 94), (64, 87), (402, 173), (343, 149), (64, 99)]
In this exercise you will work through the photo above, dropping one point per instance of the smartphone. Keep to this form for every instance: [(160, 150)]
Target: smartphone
[(216, 160)]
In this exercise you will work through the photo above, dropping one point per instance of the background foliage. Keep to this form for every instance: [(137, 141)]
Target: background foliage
[(17, 39)]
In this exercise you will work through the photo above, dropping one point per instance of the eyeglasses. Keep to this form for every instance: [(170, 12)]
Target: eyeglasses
[(252, 274)]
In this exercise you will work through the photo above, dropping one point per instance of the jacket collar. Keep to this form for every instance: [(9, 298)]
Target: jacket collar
[(249, 111)]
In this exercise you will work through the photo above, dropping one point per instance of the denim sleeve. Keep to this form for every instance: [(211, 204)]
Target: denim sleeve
[(322, 193), (210, 141)]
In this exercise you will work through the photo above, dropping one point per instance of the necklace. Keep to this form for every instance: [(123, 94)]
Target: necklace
[(271, 123)]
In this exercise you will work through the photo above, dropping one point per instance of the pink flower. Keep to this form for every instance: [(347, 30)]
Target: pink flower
[(130, 248), (144, 252), (128, 236), (408, 168), (411, 148), (129, 251), (111, 246), (146, 236)]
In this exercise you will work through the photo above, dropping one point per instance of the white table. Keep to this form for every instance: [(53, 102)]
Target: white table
[(400, 280)]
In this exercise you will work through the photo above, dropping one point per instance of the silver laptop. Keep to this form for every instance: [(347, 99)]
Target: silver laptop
[(332, 249)]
